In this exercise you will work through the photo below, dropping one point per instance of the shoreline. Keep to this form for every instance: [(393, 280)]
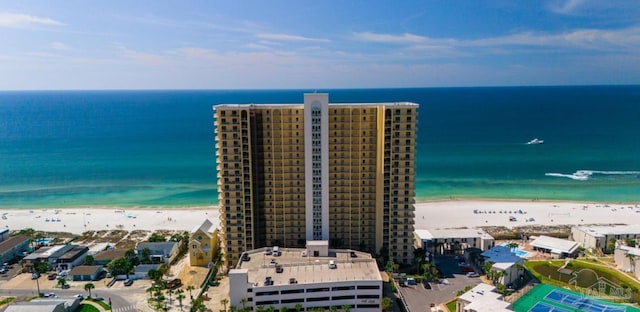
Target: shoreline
[(418, 201), (453, 213)]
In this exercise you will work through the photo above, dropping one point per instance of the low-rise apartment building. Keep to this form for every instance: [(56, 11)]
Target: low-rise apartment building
[(628, 259), (599, 237), (452, 241)]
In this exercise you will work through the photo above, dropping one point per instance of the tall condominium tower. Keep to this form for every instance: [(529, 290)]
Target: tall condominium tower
[(344, 173)]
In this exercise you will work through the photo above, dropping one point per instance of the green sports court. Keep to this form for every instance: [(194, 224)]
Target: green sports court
[(547, 298)]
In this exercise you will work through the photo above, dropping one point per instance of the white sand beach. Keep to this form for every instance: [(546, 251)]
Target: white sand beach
[(429, 215)]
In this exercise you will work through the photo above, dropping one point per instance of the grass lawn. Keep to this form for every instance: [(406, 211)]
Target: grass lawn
[(547, 272), (88, 308), (451, 305)]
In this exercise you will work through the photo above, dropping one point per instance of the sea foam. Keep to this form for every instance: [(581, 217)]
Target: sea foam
[(584, 175)]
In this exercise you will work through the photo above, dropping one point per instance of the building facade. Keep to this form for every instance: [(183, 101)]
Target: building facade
[(452, 241), (203, 242), (604, 237), (345, 173)]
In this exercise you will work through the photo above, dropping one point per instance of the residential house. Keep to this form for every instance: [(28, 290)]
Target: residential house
[(86, 272), (142, 271), (159, 252), (202, 244), (106, 256), (47, 255), (73, 257)]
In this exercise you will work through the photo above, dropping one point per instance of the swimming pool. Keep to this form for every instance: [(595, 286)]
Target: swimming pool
[(518, 252)]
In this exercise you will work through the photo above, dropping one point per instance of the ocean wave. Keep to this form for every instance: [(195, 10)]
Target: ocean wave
[(584, 175)]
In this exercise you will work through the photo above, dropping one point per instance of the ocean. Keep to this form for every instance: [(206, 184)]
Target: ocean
[(156, 148)]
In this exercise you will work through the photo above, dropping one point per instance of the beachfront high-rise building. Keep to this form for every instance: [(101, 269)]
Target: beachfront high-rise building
[(344, 173)]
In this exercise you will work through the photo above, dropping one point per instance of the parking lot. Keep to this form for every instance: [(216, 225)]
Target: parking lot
[(418, 298)]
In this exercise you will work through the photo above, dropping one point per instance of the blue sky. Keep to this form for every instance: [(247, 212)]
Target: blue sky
[(316, 44)]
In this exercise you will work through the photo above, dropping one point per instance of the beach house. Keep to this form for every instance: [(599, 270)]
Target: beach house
[(203, 241)]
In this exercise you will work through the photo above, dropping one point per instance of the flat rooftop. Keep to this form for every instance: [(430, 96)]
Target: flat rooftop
[(301, 105), (502, 257), (483, 298), (602, 230), (309, 269), (631, 250), (428, 234), (555, 244)]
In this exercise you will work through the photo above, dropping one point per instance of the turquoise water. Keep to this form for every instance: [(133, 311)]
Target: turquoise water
[(156, 148)]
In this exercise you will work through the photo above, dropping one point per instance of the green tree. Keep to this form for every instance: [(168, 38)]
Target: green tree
[(155, 275), (298, 307), (612, 244), (155, 237), (333, 309), (224, 303), (346, 308), (284, 309), (145, 254), (243, 302), (88, 287), (120, 266), (180, 296), (190, 288), (88, 260), (386, 304), (632, 261), (61, 282)]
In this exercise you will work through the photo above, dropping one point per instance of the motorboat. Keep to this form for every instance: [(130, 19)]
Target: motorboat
[(535, 141)]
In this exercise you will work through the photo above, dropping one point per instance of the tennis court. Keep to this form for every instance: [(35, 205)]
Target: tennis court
[(547, 298)]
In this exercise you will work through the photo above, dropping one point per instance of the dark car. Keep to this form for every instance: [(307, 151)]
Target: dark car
[(175, 283), (52, 276), (128, 282)]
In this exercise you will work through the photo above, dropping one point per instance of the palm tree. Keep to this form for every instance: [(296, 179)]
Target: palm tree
[(284, 309), (224, 302), (243, 302), (190, 288), (88, 287), (298, 307), (386, 304), (169, 292), (333, 309), (632, 262), (180, 296), (61, 282), (346, 308)]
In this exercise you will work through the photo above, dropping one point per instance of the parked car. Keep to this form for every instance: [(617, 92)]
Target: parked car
[(79, 296), (128, 282), (175, 283), (50, 295), (35, 276), (473, 274), (52, 276)]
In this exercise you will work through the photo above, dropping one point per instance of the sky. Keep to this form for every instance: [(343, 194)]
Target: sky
[(257, 44)]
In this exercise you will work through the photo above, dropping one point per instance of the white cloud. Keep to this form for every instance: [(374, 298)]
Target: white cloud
[(286, 37), (584, 39), (565, 6), (60, 46), (388, 38), (21, 20)]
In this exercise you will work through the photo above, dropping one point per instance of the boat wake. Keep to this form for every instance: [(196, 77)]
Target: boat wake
[(584, 175)]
